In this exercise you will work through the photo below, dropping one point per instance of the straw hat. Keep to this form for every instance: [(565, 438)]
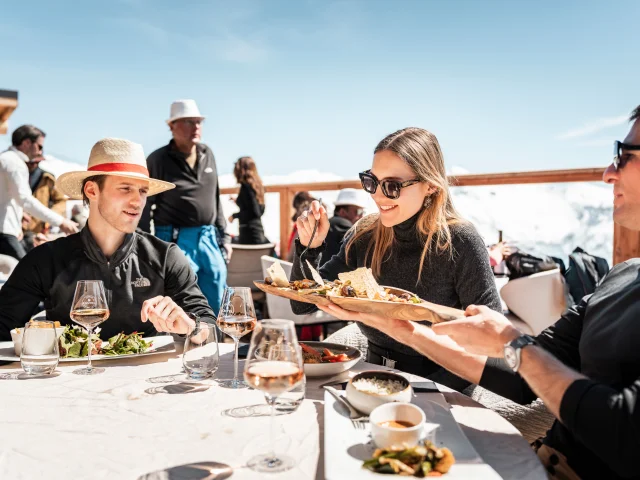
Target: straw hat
[(184, 109), (112, 156), (351, 196)]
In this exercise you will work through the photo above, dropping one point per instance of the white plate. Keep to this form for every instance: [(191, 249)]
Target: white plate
[(330, 369), (163, 344), (346, 447)]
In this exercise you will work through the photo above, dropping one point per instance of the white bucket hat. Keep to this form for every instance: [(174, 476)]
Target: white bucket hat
[(184, 109), (351, 196), (112, 156)]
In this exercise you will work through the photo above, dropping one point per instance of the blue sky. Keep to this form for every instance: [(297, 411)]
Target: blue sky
[(505, 85)]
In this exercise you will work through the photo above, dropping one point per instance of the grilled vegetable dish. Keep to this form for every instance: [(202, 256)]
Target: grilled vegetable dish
[(420, 461)]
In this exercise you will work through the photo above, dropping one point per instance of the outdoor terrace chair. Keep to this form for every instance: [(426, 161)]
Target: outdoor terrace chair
[(244, 267), (538, 300)]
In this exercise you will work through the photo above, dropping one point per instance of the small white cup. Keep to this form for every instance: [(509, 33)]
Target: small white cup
[(387, 437)]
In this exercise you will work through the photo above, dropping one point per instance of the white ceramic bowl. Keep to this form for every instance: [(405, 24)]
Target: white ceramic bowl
[(366, 402), (330, 369), (16, 338), (385, 436)]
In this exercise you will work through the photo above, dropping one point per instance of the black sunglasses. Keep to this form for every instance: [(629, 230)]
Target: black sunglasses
[(390, 188), (619, 161)]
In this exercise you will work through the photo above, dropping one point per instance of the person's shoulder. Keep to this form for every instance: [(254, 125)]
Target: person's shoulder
[(151, 242), (59, 248), (48, 176), (10, 160), (338, 221), (465, 237), (158, 154), (463, 230), (631, 266), (203, 147)]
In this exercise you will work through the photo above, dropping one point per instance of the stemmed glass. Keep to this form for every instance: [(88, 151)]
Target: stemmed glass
[(274, 365), (236, 318), (89, 309)]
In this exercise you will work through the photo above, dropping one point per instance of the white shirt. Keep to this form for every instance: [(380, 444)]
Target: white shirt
[(15, 194)]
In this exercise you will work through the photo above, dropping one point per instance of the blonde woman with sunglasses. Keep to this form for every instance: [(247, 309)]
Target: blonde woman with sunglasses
[(417, 242)]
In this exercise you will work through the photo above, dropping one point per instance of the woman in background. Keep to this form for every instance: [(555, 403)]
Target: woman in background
[(250, 201)]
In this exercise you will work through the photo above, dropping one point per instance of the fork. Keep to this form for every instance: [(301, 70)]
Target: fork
[(313, 234), (358, 420)]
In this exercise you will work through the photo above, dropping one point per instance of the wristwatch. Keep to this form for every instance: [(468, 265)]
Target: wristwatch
[(513, 350)]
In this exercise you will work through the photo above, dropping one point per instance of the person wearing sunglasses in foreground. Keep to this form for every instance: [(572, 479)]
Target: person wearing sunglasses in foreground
[(417, 242), (586, 367)]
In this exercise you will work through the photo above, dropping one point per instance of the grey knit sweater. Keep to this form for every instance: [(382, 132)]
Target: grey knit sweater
[(457, 282)]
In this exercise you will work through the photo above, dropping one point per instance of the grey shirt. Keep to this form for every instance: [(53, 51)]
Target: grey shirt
[(457, 280)]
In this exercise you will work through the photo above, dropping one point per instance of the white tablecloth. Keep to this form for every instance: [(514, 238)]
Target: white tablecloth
[(113, 426)]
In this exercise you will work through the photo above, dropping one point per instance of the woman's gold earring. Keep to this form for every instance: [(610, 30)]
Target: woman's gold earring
[(427, 201)]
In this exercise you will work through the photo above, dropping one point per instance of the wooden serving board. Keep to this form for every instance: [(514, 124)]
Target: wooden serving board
[(404, 311), (292, 294)]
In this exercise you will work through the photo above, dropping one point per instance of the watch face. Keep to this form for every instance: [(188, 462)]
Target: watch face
[(510, 356)]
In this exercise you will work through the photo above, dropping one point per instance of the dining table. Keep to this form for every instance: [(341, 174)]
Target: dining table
[(143, 419)]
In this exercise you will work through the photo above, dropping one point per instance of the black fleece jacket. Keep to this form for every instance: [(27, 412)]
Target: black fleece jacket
[(143, 267)]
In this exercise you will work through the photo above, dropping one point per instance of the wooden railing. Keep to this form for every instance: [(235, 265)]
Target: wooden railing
[(626, 243), (8, 103)]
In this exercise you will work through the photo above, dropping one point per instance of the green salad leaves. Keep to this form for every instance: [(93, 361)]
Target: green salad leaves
[(73, 343)]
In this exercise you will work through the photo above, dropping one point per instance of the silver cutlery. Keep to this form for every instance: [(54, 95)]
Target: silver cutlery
[(358, 420), (313, 235)]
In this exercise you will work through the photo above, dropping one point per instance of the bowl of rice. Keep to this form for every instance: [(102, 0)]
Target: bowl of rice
[(368, 390)]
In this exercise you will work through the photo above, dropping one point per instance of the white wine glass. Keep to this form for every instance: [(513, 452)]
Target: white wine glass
[(89, 309), (274, 365), (236, 318)]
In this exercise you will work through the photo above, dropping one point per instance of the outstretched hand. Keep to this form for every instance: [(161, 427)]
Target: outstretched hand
[(483, 332)]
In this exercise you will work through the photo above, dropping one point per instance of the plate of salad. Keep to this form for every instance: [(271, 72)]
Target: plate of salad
[(73, 346)]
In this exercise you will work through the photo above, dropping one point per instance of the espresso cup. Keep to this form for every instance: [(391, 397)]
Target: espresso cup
[(385, 436)]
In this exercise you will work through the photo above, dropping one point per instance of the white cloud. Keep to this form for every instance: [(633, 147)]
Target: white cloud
[(593, 127)]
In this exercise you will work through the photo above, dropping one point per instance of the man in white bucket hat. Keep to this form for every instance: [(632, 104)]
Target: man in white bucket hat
[(349, 208), (149, 285), (190, 215)]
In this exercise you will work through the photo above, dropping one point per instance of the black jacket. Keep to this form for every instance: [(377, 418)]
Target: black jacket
[(251, 231), (143, 267), (338, 227), (599, 431), (196, 199)]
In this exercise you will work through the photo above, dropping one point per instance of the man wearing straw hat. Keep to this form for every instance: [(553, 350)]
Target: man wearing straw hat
[(191, 215), (149, 284)]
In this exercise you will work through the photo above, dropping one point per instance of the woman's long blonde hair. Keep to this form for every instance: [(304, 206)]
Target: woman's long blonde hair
[(420, 149)]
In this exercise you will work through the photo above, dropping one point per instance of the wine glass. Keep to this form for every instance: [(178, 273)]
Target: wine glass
[(236, 318), (89, 309), (274, 365)]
